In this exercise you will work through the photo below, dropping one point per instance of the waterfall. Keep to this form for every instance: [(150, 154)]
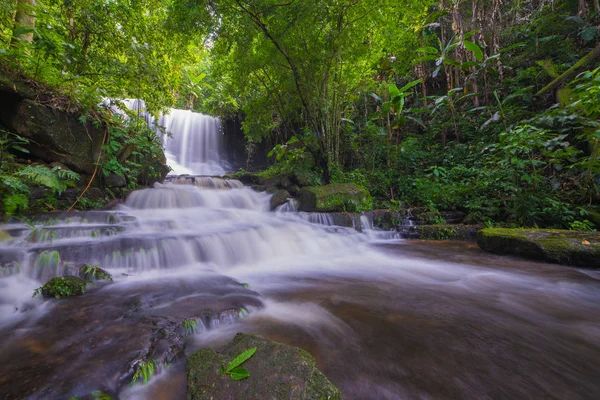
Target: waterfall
[(195, 144), (192, 141)]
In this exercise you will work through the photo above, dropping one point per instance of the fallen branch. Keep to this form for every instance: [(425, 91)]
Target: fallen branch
[(571, 72)]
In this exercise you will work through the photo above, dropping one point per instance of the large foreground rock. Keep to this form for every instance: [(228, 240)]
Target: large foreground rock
[(277, 371), (557, 246), (335, 197)]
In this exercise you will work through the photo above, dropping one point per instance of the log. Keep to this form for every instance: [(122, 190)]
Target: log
[(571, 72)]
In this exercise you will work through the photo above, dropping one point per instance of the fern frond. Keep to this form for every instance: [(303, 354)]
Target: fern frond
[(15, 202), (41, 175), (66, 174), (14, 184)]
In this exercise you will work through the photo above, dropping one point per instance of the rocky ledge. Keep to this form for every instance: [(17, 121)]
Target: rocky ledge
[(277, 371), (580, 249)]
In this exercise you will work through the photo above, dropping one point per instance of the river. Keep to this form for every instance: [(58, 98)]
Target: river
[(384, 318)]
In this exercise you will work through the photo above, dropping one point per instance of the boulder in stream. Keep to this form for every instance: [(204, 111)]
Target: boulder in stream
[(277, 371), (64, 286), (279, 198), (552, 245)]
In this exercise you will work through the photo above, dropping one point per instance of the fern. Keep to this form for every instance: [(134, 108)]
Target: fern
[(13, 184), (15, 202), (66, 174), (43, 176)]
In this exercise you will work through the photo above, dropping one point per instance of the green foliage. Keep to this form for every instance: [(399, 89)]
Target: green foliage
[(95, 50), (99, 395), (16, 179), (94, 272), (62, 286), (190, 326), (48, 258), (234, 369), (145, 372), (132, 149), (585, 226)]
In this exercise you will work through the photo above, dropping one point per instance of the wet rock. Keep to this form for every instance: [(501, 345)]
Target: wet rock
[(111, 205), (279, 198), (552, 245), (302, 180), (64, 286), (386, 219), (164, 346), (93, 273), (294, 190), (249, 178), (115, 181), (276, 371), (56, 135), (334, 197), (153, 168), (279, 181)]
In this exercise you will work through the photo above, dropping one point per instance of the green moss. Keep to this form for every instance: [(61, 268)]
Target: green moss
[(63, 286), (4, 236), (552, 245), (277, 371), (320, 388)]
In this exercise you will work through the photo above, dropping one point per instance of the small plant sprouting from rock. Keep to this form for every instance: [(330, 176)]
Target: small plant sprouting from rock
[(144, 372), (94, 272), (243, 313), (98, 395), (190, 326), (37, 291), (234, 368), (47, 258)]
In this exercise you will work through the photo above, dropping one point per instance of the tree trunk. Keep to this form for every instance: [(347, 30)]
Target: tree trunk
[(24, 18), (571, 72), (582, 9)]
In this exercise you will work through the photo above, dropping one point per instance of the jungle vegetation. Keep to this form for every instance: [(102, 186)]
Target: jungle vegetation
[(486, 106)]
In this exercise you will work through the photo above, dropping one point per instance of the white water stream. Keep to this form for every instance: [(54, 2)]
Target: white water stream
[(384, 323)]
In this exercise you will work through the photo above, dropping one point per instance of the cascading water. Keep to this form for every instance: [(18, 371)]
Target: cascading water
[(193, 142), (384, 321)]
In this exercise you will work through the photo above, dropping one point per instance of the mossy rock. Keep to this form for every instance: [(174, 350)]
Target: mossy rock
[(64, 286), (279, 198), (277, 371), (248, 178), (386, 219), (4, 236), (335, 197), (581, 249)]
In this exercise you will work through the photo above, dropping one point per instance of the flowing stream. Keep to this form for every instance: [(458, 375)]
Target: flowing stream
[(384, 318)]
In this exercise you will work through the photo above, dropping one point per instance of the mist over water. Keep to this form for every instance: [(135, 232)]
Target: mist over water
[(385, 318)]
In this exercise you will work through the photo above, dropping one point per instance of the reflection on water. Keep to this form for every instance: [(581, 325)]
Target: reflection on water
[(385, 319)]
